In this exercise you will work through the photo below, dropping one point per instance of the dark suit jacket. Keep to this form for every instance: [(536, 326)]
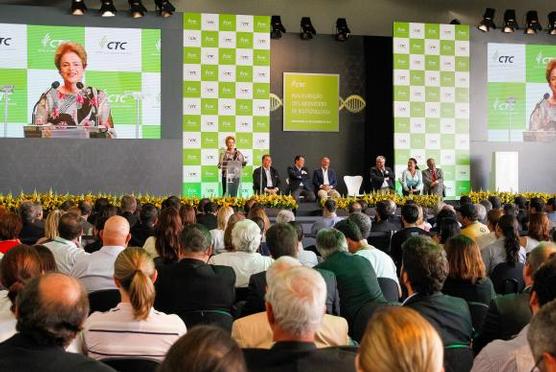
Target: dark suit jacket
[(131, 218), (139, 234), (378, 177), (257, 178), (207, 220), (190, 285), (393, 223), (21, 353), (30, 233), (257, 290), (318, 178), (296, 177), (299, 356)]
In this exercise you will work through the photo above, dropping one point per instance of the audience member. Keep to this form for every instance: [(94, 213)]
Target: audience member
[(204, 349), (48, 263), (246, 238), (536, 205), (541, 338), (382, 177), (445, 229), (145, 227), (551, 209), (481, 213), (166, 242), (85, 208), (222, 217), (399, 339), (306, 257), (424, 271), (171, 202), (201, 207), (100, 205), (285, 216), (51, 226), (51, 310), (506, 249), (465, 199), (133, 328), (32, 228), (355, 207), (266, 179), (387, 221), (468, 217), (96, 271), (538, 231), (188, 215), (66, 248), (10, 228), (234, 218), (258, 211), (328, 219), (487, 204), (495, 202), (485, 240), (410, 218), (412, 179), (128, 207), (100, 220), (433, 179), (295, 309), (208, 218)]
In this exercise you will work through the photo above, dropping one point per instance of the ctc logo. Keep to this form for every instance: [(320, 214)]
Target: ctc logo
[(6, 41), (506, 59), (117, 45)]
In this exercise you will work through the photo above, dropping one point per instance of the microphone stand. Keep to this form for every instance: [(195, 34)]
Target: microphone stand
[(261, 180), (7, 90)]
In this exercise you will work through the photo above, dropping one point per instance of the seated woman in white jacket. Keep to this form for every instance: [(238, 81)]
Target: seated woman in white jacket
[(412, 179), (133, 328)]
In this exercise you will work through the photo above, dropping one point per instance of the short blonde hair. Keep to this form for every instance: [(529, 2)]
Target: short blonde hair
[(549, 67), (399, 339), (70, 47), (51, 224), (222, 217)]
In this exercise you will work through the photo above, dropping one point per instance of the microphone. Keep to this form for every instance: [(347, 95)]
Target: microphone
[(79, 85), (54, 85)]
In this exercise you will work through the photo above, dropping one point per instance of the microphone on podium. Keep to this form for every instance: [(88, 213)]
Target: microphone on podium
[(54, 85), (79, 85)]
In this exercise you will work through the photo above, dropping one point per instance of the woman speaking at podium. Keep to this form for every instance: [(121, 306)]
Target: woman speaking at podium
[(71, 104), (227, 155)]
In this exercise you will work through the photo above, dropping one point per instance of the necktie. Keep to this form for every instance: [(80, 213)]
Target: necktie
[(433, 175)]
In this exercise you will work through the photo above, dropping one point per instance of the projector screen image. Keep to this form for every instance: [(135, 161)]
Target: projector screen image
[(521, 101), (79, 82)]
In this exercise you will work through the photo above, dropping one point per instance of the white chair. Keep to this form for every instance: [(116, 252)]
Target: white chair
[(353, 184)]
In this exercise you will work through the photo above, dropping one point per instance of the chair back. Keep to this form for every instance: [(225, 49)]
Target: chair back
[(507, 279), (103, 300), (218, 318), (132, 364), (458, 358), (353, 184), (381, 240), (390, 289), (478, 312)]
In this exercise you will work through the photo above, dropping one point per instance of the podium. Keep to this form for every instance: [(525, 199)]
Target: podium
[(232, 169), (53, 131)]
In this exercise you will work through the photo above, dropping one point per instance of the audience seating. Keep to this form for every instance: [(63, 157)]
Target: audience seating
[(103, 300), (217, 318), (390, 289), (381, 240), (132, 364), (507, 279), (479, 312)]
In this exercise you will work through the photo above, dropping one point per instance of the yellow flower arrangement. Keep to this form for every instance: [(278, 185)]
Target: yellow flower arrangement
[(508, 197)]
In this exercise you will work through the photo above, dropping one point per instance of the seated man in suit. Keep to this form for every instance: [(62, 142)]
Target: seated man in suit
[(300, 181), (424, 270), (295, 309), (433, 179), (254, 330), (267, 182), (324, 180), (386, 219), (191, 284), (382, 177), (50, 313), (281, 239)]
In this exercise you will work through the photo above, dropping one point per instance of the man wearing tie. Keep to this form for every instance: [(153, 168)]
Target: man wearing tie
[(267, 181), (433, 179), (382, 178), (324, 180), (300, 181)]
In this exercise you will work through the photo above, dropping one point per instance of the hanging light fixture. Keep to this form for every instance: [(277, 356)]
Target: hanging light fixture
[(107, 8), (510, 23), (277, 27), (164, 8), (342, 30), (78, 7), (552, 23), (136, 9), (488, 20), (532, 23), (307, 29)]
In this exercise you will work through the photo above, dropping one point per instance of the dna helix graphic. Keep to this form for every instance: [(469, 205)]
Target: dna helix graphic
[(353, 103)]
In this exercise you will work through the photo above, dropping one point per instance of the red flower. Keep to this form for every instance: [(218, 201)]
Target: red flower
[(80, 99), (93, 101), (60, 95), (55, 112)]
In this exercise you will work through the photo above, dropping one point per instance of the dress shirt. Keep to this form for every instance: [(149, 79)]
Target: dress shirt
[(66, 253), (217, 240), (96, 271), (325, 177), (381, 262), (244, 264), (7, 318), (495, 254), (307, 258), (117, 334), (507, 356), (485, 240), (269, 184)]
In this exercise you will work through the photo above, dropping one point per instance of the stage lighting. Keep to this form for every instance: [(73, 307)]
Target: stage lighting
[(78, 7), (136, 9), (510, 23), (488, 20), (532, 22), (107, 8), (552, 23), (164, 8), (277, 27), (307, 29), (342, 30)]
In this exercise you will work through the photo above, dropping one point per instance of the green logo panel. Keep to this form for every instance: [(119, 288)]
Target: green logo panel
[(261, 57), (209, 140), (191, 189), (151, 46), (244, 140), (401, 29), (401, 61), (209, 106), (42, 42), (536, 59), (261, 90), (261, 24), (227, 22), (244, 107), (17, 101), (192, 55), (209, 173), (261, 124), (209, 72), (226, 89), (192, 89), (506, 106), (244, 40), (209, 39), (192, 21), (151, 131), (226, 56), (244, 74), (401, 125), (432, 31), (191, 156), (432, 125), (191, 123), (226, 123)]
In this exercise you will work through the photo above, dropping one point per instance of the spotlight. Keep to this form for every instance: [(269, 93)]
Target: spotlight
[(510, 24), (455, 21), (78, 7), (107, 8), (164, 8), (342, 30), (277, 27), (136, 9), (532, 22), (488, 20), (307, 29), (552, 23)]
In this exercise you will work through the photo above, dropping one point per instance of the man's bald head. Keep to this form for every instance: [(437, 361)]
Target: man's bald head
[(51, 309), (116, 232)]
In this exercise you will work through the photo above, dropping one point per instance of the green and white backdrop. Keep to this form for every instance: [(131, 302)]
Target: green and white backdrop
[(226, 91), (431, 100), (123, 62)]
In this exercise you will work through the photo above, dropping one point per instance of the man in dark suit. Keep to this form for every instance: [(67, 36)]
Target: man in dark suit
[(295, 309), (145, 228), (266, 179), (386, 220), (410, 216), (425, 268), (382, 177), (300, 181), (128, 207), (324, 180), (208, 218), (191, 284), (50, 313), (281, 240), (33, 228)]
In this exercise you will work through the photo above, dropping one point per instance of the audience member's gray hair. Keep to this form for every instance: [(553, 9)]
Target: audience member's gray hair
[(285, 216), (380, 157), (279, 265), (481, 212), (390, 206), (438, 207), (246, 236), (297, 297), (363, 222), (330, 241), (540, 254), (27, 211), (541, 331), (487, 204)]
